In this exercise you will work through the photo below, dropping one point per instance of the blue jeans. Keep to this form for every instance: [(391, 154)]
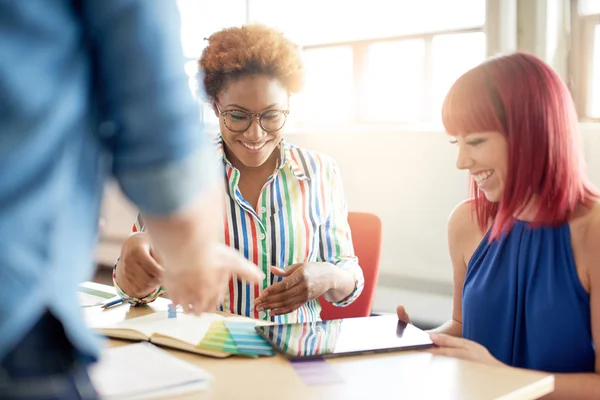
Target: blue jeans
[(45, 366)]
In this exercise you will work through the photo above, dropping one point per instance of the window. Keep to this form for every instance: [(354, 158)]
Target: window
[(585, 58), (594, 106), (375, 61), (453, 55), (318, 22), (378, 61), (395, 81), (328, 94), (199, 19), (588, 7)]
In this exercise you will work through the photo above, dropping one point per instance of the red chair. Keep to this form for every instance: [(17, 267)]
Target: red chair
[(366, 238)]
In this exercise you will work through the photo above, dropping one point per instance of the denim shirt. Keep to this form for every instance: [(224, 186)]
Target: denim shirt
[(89, 90)]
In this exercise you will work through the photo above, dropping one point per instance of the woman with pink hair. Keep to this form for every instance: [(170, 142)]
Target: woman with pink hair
[(526, 247)]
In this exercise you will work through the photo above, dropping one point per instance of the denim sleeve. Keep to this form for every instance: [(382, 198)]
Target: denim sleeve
[(162, 157)]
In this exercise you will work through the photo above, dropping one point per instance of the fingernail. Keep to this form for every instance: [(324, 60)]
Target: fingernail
[(259, 308)]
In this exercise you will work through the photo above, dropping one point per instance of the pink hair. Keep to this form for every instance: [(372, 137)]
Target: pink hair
[(521, 97)]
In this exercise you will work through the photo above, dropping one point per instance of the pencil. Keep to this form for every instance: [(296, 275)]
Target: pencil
[(112, 303)]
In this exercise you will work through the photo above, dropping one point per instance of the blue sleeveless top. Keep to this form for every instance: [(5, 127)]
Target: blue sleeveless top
[(523, 300)]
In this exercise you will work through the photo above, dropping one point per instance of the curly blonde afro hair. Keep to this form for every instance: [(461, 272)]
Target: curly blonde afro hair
[(236, 52)]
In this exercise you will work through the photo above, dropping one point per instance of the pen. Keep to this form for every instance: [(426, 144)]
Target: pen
[(113, 303)]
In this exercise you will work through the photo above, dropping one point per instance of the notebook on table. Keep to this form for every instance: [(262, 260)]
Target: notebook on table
[(206, 334), (144, 371)]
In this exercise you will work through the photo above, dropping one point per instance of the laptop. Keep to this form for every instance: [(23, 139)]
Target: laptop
[(344, 337)]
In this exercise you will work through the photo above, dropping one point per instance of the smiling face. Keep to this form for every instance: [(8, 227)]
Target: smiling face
[(485, 156), (254, 94)]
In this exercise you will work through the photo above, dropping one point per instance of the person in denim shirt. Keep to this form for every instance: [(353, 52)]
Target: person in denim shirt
[(91, 90)]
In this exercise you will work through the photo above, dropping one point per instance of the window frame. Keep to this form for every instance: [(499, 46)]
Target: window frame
[(581, 60), (360, 63), (500, 21)]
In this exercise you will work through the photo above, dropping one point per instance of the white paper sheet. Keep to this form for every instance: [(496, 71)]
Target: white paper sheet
[(144, 371)]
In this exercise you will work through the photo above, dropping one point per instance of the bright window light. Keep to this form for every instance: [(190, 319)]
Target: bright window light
[(328, 94), (589, 7), (452, 56), (335, 21), (394, 82), (200, 19), (594, 107), (359, 68)]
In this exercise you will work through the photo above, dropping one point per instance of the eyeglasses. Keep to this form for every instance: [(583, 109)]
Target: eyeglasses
[(239, 121)]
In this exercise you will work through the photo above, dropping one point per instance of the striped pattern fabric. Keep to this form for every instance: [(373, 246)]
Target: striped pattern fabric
[(301, 217), (307, 339)]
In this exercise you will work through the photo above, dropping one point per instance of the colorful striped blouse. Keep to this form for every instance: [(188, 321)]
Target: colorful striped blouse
[(302, 217), (308, 339)]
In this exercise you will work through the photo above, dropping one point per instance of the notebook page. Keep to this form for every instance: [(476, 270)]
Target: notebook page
[(89, 295), (89, 300), (144, 371), (186, 327)]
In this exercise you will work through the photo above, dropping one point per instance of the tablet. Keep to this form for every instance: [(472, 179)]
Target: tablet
[(344, 337)]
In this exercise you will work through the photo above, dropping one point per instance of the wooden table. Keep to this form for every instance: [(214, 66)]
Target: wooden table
[(401, 375)]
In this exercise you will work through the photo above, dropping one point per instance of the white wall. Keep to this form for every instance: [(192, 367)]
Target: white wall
[(591, 136), (409, 180)]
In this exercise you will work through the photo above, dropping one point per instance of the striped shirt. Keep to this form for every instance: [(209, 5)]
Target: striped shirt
[(301, 217), (307, 339)]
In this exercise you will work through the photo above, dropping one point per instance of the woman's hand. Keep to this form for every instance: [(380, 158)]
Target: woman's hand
[(402, 315), (302, 283), (452, 346), (465, 349), (138, 271)]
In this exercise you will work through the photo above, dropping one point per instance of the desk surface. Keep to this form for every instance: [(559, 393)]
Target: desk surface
[(410, 375)]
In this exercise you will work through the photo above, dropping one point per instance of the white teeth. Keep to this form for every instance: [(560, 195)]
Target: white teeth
[(253, 147), (480, 177)]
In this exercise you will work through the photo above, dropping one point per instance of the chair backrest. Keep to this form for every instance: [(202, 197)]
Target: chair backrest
[(366, 238)]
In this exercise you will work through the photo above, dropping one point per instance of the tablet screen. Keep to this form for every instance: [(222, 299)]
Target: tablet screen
[(344, 337)]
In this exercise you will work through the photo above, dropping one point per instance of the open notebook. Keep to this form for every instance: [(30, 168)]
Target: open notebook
[(143, 371), (186, 332)]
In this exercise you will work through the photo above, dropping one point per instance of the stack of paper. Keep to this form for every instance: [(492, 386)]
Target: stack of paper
[(143, 371)]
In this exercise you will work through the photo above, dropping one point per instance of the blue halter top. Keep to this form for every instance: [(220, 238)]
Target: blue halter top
[(523, 300)]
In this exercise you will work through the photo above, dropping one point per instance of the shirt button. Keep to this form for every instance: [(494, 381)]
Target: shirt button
[(262, 236), (262, 210)]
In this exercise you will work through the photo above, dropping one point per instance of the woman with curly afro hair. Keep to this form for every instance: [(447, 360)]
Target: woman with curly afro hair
[(285, 206)]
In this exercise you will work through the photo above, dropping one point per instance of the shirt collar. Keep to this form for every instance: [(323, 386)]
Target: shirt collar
[(286, 158)]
